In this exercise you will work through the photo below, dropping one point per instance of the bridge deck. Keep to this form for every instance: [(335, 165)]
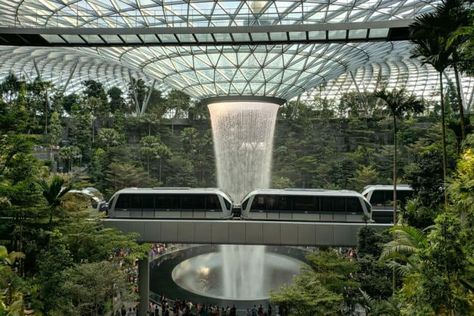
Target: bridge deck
[(243, 232)]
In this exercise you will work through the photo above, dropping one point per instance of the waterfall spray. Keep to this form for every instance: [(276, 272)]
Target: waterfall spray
[(243, 144)]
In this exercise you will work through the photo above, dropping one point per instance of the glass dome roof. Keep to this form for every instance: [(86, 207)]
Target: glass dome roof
[(284, 70), (199, 13)]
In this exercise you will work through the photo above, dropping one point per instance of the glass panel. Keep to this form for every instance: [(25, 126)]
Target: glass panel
[(326, 204), (382, 198), (278, 36), (212, 203), (193, 202), (51, 38), (340, 34), (258, 203), (357, 34), (135, 202), (259, 37), (241, 37), (73, 39), (222, 37), (317, 35), (123, 202), (404, 195), (148, 202), (377, 198), (204, 37), (94, 39), (297, 36), (186, 38), (375, 33), (130, 39), (168, 38), (149, 38), (112, 39), (167, 201), (303, 204), (353, 205), (339, 204)]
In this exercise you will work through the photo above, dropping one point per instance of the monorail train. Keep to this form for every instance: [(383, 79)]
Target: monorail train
[(306, 205), (381, 199), (96, 199), (205, 203)]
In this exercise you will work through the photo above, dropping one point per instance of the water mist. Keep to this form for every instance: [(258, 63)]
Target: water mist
[(243, 144)]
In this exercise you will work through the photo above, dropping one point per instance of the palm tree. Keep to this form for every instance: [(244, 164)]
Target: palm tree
[(432, 35), (453, 15), (53, 191), (431, 47), (399, 104)]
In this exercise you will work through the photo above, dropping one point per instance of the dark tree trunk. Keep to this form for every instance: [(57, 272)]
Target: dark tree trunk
[(394, 169), (443, 131), (461, 108)]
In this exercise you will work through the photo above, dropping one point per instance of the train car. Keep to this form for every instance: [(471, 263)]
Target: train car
[(95, 198), (306, 205), (162, 203), (381, 199)]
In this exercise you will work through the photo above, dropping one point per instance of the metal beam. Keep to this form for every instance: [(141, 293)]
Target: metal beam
[(395, 30), (243, 232)]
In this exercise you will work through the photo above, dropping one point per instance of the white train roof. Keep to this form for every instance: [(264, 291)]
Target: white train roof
[(400, 187), (172, 190), (308, 192)]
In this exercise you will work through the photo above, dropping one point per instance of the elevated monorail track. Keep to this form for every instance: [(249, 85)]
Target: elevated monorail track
[(244, 232)]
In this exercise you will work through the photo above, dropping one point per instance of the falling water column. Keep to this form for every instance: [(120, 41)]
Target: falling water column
[(243, 143)]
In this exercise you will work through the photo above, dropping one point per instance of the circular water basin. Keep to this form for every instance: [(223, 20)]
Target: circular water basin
[(235, 275)]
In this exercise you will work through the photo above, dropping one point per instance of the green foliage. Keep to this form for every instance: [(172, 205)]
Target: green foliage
[(437, 265), (109, 137), (89, 288), (179, 101), (122, 175), (11, 296), (364, 176), (325, 287)]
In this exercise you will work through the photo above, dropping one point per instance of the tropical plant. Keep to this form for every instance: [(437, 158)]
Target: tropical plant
[(430, 46), (403, 252), (399, 104), (432, 34), (53, 191), (325, 287)]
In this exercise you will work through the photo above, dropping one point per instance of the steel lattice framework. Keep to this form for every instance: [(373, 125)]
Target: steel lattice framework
[(284, 70)]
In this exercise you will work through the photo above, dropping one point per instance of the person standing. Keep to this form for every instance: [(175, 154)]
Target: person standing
[(233, 311)]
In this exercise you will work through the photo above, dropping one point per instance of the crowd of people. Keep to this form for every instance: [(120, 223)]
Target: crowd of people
[(187, 308), (157, 249)]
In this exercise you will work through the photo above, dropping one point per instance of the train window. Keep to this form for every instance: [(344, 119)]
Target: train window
[(304, 204), (258, 203), (326, 204), (381, 198), (135, 202), (193, 202), (339, 205), (228, 205), (353, 205), (123, 202), (167, 201), (244, 205), (212, 202), (148, 202), (368, 206), (279, 203), (271, 202), (404, 196)]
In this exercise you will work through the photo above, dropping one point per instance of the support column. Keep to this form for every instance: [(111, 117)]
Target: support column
[(143, 285)]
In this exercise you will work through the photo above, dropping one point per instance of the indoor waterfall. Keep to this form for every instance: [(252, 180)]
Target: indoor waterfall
[(243, 143)]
